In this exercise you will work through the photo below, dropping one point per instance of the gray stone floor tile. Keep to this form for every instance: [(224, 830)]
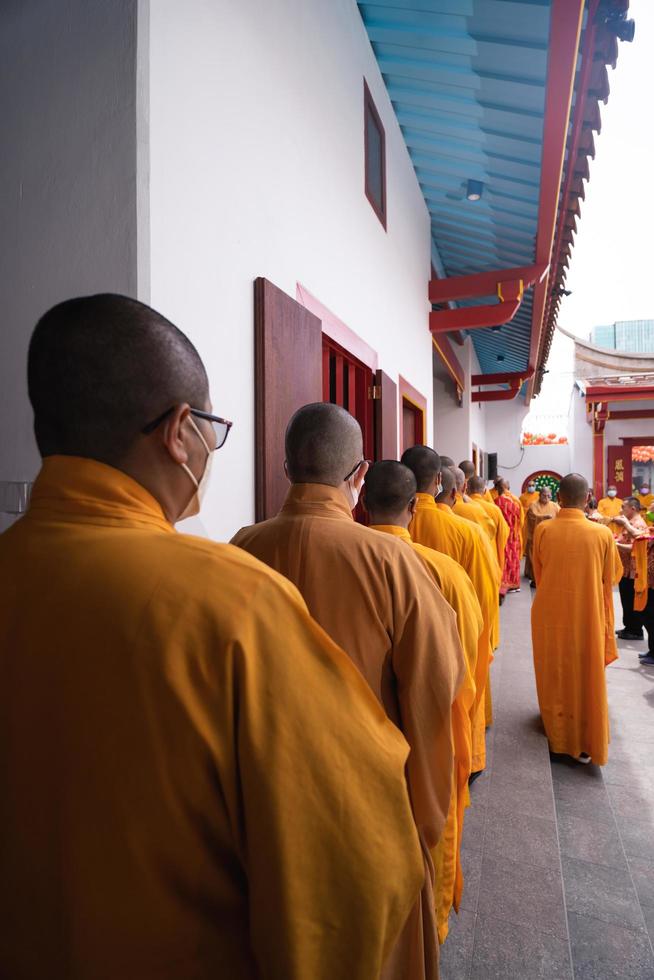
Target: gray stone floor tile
[(602, 951), (504, 951), (471, 862), (531, 795), (587, 840), (480, 787), (567, 772), (456, 951), (631, 801), (642, 873), (521, 837), (594, 807), (638, 838), (648, 913), (522, 895), (473, 826), (604, 893)]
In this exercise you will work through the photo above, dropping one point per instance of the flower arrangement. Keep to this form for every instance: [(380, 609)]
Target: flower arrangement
[(542, 439)]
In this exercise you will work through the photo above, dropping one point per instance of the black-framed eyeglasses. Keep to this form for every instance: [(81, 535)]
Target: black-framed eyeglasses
[(354, 469), (220, 426)]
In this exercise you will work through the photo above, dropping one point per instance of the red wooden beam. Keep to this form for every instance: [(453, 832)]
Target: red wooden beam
[(608, 393), (498, 395), (483, 283), (508, 377), (473, 317), (565, 29), (645, 413)]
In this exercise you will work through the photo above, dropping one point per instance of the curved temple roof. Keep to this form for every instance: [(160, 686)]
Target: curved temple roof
[(468, 81)]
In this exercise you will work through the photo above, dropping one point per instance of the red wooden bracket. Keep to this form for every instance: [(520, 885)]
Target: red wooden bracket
[(497, 395), (507, 284)]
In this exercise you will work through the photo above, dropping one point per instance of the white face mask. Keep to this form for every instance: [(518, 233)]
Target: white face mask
[(195, 503), (644, 490), (611, 493), (531, 488)]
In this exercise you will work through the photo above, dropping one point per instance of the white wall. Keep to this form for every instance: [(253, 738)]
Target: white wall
[(256, 169), (457, 427), (67, 180), (516, 462)]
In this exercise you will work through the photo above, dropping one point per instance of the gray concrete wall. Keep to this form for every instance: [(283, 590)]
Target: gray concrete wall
[(68, 210)]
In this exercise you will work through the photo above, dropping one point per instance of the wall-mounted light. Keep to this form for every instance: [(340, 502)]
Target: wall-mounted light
[(474, 190), (500, 357), (496, 329)]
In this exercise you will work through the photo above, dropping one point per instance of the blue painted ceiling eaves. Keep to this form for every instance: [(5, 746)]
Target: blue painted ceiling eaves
[(467, 81)]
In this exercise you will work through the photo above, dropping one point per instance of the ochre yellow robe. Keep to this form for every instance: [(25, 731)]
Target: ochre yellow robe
[(611, 507), (645, 501), (472, 512), (526, 500), (435, 526), (460, 594), (195, 781), (501, 528), (576, 564), (374, 597)]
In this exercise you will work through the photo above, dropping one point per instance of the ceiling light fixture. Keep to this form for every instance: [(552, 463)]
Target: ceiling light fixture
[(475, 190)]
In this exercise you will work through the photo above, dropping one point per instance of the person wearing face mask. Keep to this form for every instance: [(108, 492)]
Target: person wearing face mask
[(609, 507), (436, 526), (373, 596), (167, 700), (644, 497), (528, 497)]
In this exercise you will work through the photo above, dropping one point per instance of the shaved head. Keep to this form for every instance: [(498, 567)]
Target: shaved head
[(573, 490), (390, 488), (476, 484), (102, 367), (459, 478), (425, 464), (447, 461), (323, 444), (468, 468), (447, 486)]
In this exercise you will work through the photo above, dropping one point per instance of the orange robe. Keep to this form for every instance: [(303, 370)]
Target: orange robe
[(526, 500), (194, 780), (501, 527), (576, 564), (536, 514), (435, 526), (611, 507), (473, 512), (374, 597), (460, 594)]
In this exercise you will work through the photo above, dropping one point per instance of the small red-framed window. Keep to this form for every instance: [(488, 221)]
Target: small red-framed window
[(413, 407), (374, 139)]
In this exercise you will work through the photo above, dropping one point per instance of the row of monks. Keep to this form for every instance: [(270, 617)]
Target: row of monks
[(245, 760)]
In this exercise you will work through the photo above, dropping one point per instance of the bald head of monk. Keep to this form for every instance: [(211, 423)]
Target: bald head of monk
[(476, 484), (468, 468), (447, 461), (390, 493), (573, 491), (459, 478), (448, 488), (324, 445), (501, 486), (426, 466), (112, 380)]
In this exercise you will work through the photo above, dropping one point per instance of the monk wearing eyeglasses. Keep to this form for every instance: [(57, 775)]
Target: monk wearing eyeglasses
[(375, 598), (195, 781)]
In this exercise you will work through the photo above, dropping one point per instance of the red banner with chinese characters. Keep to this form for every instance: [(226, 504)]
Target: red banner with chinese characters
[(618, 470)]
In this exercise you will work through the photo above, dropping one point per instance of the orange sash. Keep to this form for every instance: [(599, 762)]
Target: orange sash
[(640, 580)]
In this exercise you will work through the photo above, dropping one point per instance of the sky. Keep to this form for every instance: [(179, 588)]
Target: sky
[(611, 273), (612, 268)]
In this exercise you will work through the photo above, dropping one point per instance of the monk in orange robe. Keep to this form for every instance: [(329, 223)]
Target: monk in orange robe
[(390, 499), (374, 597), (544, 509), (436, 526), (512, 513), (464, 506), (576, 564), (157, 740), (475, 490)]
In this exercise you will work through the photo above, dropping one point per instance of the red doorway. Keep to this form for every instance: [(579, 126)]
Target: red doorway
[(348, 382)]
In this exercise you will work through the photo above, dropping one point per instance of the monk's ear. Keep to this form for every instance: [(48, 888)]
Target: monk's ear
[(413, 503), (173, 432), (286, 471)]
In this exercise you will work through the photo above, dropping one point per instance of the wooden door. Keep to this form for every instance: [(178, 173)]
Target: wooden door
[(287, 352), (348, 382), (385, 414), (413, 424)]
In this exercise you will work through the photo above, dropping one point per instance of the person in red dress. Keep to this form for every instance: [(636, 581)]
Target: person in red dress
[(513, 516)]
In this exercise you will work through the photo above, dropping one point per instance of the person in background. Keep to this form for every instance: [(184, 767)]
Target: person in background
[(528, 497), (572, 625), (642, 549), (610, 507), (632, 525), (390, 500), (374, 597), (544, 509), (476, 491), (436, 526), (591, 511), (512, 513), (465, 507), (182, 795), (644, 497)]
